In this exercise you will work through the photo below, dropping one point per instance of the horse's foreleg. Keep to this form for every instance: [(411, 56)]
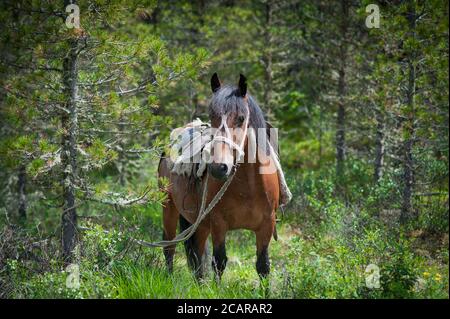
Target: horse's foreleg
[(219, 260), (263, 236), (170, 221)]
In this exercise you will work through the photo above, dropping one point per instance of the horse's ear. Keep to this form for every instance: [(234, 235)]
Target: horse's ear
[(215, 83), (242, 86)]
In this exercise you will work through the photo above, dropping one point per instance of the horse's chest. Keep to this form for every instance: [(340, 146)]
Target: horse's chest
[(246, 205)]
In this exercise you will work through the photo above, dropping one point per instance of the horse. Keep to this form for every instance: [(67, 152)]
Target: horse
[(250, 202)]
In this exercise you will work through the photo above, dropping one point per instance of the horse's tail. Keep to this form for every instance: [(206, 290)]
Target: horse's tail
[(275, 234), (161, 158), (163, 170)]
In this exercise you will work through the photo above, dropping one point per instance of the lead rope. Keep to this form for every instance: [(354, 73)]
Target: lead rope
[(188, 232)]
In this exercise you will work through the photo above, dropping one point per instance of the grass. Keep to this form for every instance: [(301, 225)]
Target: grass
[(140, 282), (303, 266), (323, 251)]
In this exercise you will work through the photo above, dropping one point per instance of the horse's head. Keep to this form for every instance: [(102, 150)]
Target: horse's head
[(229, 114)]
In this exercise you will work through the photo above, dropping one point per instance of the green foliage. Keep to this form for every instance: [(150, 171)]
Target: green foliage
[(144, 69), (328, 262)]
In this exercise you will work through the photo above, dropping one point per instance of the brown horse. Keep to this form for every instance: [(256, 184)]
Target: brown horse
[(250, 202)]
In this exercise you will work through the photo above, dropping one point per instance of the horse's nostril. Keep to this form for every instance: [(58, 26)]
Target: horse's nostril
[(219, 171), (223, 168)]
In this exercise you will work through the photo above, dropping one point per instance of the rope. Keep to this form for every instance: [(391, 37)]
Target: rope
[(188, 232)]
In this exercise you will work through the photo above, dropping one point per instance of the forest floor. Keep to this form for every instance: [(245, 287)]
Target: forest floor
[(302, 266), (326, 249), (307, 261)]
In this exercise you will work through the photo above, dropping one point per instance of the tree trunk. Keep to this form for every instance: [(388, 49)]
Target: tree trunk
[(379, 146), (199, 9), (122, 156), (22, 200), (69, 123), (267, 59), (340, 124), (408, 161), (320, 151)]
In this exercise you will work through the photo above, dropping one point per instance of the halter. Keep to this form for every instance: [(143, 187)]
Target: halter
[(228, 138)]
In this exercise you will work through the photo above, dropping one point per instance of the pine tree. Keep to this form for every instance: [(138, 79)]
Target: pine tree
[(90, 94)]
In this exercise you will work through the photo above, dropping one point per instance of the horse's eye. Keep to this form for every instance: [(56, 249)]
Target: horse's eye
[(240, 120)]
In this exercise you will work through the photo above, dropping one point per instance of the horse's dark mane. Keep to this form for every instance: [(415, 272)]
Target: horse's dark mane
[(227, 100)]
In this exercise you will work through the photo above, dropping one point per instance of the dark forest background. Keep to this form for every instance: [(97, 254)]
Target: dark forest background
[(363, 122)]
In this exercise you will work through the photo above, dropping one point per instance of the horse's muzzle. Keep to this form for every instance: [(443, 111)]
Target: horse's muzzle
[(219, 170)]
